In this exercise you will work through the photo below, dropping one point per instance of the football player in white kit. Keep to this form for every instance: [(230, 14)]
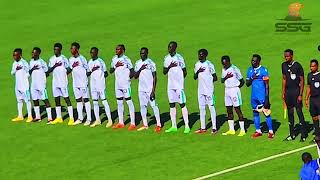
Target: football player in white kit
[(122, 67), (175, 67), (98, 72), (59, 66), (38, 69), (205, 73), (233, 81), (145, 70), (20, 69), (79, 67)]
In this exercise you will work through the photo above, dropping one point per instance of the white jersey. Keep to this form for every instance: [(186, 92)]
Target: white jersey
[(22, 75), (234, 80), (60, 78), (205, 79), (122, 73), (38, 76), (97, 80), (145, 77), (79, 73), (175, 74)]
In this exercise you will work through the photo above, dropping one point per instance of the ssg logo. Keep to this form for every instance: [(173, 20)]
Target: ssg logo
[(293, 22)]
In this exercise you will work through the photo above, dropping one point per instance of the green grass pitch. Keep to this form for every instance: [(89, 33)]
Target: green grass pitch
[(236, 28)]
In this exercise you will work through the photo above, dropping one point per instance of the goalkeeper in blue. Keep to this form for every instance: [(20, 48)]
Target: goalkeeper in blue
[(258, 79)]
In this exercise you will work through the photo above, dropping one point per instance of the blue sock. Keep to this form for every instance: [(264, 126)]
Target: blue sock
[(269, 123), (256, 120)]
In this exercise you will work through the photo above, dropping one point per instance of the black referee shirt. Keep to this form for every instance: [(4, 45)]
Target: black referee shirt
[(314, 82), (292, 73)]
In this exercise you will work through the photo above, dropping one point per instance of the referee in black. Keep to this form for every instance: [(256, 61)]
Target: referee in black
[(292, 92), (312, 99)]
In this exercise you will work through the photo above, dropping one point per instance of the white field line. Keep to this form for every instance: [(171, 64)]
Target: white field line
[(253, 163)]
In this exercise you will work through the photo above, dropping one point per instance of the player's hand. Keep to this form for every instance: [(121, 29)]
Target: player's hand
[(144, 66), (173, 64), (229, 75), (267, 104), (18, 67), (299, 99), (57, 64), (152, 96), (119, 63), (201, 70), (75, 64), (95, 68), (35, 68)]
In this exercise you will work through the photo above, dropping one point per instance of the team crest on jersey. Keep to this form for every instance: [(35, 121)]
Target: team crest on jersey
[(316, 84), (293, 76)]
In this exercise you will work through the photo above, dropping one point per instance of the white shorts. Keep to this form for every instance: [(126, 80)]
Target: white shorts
[(204, 99), (81, 92), (39, 94), (232, 97), (60, 92), (144, 99), (96, 95), (123, 93), (23, 95), (177, 96)]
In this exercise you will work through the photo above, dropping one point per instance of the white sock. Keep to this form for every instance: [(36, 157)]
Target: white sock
[(231, 125), (258, 131), (185, 116), (131, 110), (37, 111), (107, 109), (58, 111), (270, 131), (96, 110), (88, 110), (70, 112), (156, 113), (29, 108), (79, 110), (241, 123), (120, 111), (173, 113), (49, 113), (20, 106), (143, 111), (213, 117), (202, 117)]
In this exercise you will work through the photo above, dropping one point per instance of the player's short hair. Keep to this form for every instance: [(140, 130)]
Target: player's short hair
[(314, 61), (75, 44), (174, 43), (306, 156), (122, 47), (144, 48), (225, 57), (18, 50), (37, 49), (58, 45), (204, 51), (257, 56), (289, 51), (95, 48)]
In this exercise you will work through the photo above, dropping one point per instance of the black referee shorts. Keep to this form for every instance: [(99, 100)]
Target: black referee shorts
[(291, 98), (314, 108)]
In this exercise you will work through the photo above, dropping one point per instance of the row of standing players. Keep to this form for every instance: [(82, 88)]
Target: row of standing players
[(145, 69)]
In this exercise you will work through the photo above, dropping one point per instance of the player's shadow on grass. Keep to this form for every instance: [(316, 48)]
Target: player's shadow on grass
[(297, 128), (164, 117), (275, 125)]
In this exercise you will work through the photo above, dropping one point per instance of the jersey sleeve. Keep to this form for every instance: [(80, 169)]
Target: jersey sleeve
[(153, 67), (309, 79), (282, 69), (50, 64), (182, 64), (196, 68), (238, 73), (249, 74), (211, 68), (129, 64), (136, 68), (84, 63), (223, 74), (166, 62), (112, 63), (265, 74), (13, 69), (66, 62), (103, 66), (44, 66), (26, 67), (300, 71)]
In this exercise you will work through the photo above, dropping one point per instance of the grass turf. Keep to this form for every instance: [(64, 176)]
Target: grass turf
[(236, 28)]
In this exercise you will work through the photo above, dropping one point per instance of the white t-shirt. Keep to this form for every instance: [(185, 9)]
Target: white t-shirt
[(97, 79), (234, 80), (38, 75), (122, 73), (22, 82), (175, 74), (145, 77), (79, 73), (205, 79), (60, 78)]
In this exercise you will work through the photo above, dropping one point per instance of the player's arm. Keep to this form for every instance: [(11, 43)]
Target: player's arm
[(241, 83), (131, 75), (284, 83), (184, 72), (307, 98), (301, 84), (214, 77), (13, 70), (137, 72), (69, 70), (154, 75), (267, 91)]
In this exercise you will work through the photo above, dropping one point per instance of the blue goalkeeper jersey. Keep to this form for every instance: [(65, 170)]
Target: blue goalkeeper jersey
[(309, 171), (258, 85)]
